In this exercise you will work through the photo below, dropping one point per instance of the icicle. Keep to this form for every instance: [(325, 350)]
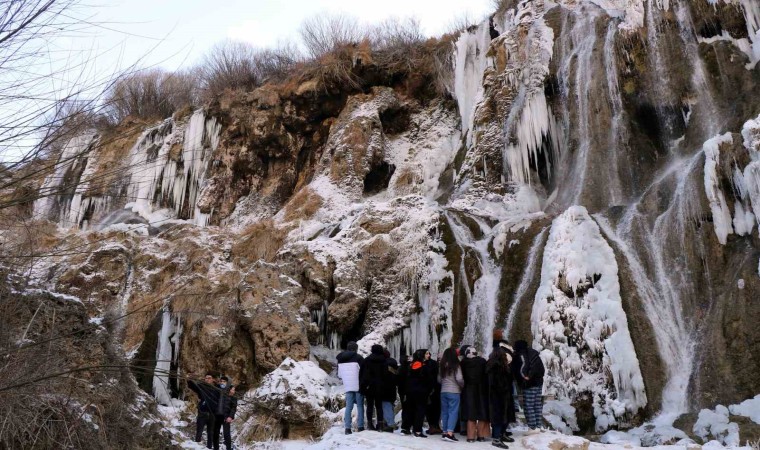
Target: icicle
[(164, 359), (470, 63), (720, 212)]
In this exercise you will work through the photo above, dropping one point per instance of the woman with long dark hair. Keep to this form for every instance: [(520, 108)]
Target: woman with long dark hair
[(450, 377)]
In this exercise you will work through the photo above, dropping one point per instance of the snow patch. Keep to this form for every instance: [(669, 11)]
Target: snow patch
[(716, 424)]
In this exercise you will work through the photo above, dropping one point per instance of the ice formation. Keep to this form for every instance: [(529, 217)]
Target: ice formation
[(720, 212), (159, 179), (166, 355), (579, 324), (470, 62), (74, 157), (162, 181), (530, 129)]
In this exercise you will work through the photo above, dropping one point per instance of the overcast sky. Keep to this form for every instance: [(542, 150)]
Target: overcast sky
[(187, 28)]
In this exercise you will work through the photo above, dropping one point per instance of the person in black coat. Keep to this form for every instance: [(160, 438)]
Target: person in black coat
[(475, 396), (206, 391), (388, 395), (224, 410), (433, 412), (418, 387), (372, 378), (530, 373), (407, 408), (501, 402)]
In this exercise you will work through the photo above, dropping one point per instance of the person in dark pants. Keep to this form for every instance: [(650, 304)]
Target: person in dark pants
[(224, 414), (500, 395), (372, 377), (419, 385), (390, 381), (433, 412), (407, 409), (531, 374), (206, 391), (461, 427)]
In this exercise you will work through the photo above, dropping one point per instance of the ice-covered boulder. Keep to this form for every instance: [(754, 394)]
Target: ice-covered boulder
[(298, 399)]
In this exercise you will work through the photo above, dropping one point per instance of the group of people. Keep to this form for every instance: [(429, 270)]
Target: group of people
[(460, 392), (216, 409)]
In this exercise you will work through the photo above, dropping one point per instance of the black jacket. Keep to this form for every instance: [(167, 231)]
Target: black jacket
[(207, 395), (532, 367), (391, 381), (419, 377), (475, 405), (226, 404), (502, 403), (372, 376)]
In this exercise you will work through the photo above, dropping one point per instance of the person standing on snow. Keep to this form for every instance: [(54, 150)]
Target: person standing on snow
[(349, 365), (433, 412), (407, 407), (452, 382), (499, 393), (389, 391), (371, 385), (531, 375), (206, 391), (475, 396), (224, 412), (419, 385)]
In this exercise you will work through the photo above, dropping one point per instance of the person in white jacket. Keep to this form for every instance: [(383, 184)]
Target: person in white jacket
[(349, 363)]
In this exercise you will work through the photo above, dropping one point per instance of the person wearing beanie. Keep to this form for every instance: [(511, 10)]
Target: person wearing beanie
[(530, 375), (475, 396), (224, 413), (349, 366), (371, 385)]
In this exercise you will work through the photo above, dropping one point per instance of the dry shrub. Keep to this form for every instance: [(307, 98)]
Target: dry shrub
[(229, 65), (53, 395), (237, 65), (259, 241), (325, 33), (150, 94), (303, 205)]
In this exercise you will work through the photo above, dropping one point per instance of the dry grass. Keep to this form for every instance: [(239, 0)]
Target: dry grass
[(303, 205), (259, 241)]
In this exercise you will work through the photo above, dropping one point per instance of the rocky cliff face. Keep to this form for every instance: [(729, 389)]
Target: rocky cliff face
[(589, 182)]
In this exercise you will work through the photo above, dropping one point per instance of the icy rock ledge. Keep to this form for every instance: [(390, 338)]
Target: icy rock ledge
[(299, 396)]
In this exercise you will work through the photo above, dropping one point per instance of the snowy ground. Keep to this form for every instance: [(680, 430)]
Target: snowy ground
[(335, 439)]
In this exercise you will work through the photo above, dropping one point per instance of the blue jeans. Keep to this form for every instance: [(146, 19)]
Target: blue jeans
[(351, 398), (449, 411), (388, 414)]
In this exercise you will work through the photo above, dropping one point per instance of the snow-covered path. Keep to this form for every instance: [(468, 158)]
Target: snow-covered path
[(369, 440)]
